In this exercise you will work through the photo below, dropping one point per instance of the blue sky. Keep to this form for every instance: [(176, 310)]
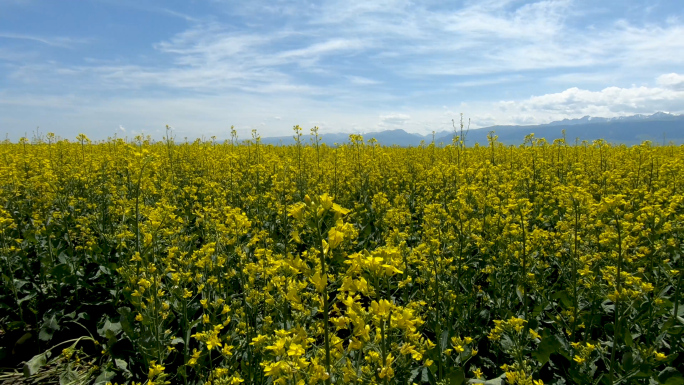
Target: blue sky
[(102, 67)]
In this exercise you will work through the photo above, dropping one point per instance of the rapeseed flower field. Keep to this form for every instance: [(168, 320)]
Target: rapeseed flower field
[(205, 262)]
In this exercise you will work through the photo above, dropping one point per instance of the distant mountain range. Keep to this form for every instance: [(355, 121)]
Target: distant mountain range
[(658, 128)]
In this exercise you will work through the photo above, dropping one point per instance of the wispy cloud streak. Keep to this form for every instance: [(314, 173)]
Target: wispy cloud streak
[(388, 63), (63, 42)]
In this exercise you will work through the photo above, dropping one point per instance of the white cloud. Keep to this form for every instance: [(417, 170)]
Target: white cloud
[(38, 101), (393, 120), (356, 63), (362, 81), (208, 59), (611, 99), (534, 21), (672, 81), (319, 49), (489, 81), (588, 76), (575, 103), (404, 39), (55, 41), (570, 103), (274, 115), (13, 56)]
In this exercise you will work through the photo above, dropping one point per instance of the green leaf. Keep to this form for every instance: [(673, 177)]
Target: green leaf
[(27, 298), (16, 325), (61, 271), (506, 343), (68, 377), (104, 377), (628, 361), (48, 328), (126, 321), (549, 344), (111, 338), (608, 306), (494, 381), (45, 335), (564, 298), (444, 340), (121, 364), (520, 295), (34, 364), (113, 327), (30, 236), (456, 376), (19, 283), (105, 270), (627, 337), (431, 378), (670, 376), (414, 374)]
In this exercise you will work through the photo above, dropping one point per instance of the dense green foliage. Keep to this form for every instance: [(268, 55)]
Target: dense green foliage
[(206, 262)]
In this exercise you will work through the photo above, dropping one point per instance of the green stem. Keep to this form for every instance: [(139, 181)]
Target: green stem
[(12, 279), (438, 328), (676, 307), (616, 321), (384, 347), (325, 307), (574, 272), (524, 265)]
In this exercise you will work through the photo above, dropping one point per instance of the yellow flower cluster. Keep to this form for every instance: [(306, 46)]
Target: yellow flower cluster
[(582, 351), (232, 262)]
